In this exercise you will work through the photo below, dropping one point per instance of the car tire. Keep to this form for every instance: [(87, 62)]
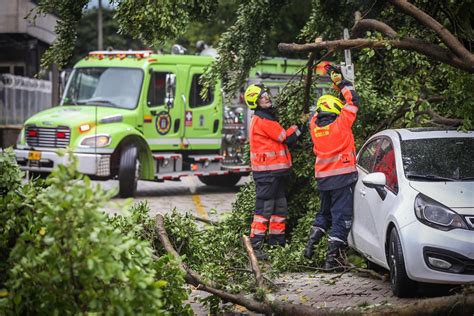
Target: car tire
[(129, 170), (401, 284), (228, 180)]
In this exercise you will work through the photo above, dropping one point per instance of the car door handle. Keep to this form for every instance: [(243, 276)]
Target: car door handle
[(362, 192)]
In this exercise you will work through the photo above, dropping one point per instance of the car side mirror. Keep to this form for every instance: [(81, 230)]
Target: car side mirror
[(377, 181)]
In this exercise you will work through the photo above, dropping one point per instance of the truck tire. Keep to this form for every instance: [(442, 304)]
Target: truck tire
[(227, 180), (129, 171)]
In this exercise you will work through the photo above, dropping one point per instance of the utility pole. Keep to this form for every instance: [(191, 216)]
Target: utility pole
[(100, 39)]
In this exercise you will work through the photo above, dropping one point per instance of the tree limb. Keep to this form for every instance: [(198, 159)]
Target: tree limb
[(370, 24), (438, 119), (460, 303), (253, 262), (433, 51), (446, 36)]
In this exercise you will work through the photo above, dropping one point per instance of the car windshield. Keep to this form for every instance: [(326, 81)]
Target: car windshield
[(438, 159), (115, 87)]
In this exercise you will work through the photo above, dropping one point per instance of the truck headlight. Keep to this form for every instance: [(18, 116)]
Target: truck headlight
[(96, 141), (436, 215)]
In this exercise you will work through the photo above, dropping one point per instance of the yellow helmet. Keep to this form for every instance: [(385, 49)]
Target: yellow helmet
[(329, 104), (253, 93)]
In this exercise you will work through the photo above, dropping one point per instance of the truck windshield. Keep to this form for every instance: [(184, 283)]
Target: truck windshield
[(438, 159), (116, 87)]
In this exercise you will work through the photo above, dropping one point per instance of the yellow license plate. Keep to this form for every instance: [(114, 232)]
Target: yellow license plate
[(34, 155)]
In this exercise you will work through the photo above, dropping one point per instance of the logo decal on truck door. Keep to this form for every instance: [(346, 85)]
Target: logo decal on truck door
[(163, 123), (188, 118)]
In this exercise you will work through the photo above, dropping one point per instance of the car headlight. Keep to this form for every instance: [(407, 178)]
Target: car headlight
[(96, 141), (436, 215)]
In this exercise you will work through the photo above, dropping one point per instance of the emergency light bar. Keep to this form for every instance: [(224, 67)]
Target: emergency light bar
[(121, 54)]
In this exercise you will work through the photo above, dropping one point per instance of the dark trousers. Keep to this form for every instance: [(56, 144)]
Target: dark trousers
[(337, 207), (271, 210)]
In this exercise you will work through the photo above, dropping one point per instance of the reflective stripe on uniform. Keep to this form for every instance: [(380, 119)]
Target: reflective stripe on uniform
[(351, 108), (282, 136), (271, 167), (270, 153), (259, 225), (321, 161), (277, 225), (334, 172)]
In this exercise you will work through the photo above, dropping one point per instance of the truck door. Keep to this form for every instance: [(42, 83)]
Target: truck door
[(202, 117), (163, 114)]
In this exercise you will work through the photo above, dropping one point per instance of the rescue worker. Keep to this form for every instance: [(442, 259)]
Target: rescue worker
[(271, 166), (335, 167)]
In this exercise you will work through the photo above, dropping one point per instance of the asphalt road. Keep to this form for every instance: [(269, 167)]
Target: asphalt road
[(187, 195)]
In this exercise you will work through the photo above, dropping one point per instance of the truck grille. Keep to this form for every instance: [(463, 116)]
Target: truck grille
[(54, 137)]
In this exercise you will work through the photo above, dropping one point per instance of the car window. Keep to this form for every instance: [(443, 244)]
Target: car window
[(385, 162), (438, 159), (366, 157)]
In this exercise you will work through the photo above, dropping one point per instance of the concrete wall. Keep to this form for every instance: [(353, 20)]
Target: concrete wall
[(12, 20)]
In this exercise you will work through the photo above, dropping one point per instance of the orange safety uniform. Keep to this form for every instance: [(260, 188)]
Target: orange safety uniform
[(267, 150), (271, 164), (334, 145)]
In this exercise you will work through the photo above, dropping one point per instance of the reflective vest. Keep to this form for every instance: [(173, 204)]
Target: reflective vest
[(334, 145), (267, 150)]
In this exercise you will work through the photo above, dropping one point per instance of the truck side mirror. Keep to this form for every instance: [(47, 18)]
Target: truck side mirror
[(170, 89)]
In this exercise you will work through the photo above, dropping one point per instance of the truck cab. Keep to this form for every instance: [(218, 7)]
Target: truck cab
[(135, 115)]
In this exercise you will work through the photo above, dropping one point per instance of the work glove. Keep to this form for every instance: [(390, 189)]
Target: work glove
[(302, 127), (335, 74)]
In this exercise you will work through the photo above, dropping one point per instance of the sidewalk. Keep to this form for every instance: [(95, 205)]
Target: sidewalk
[(323, 290)]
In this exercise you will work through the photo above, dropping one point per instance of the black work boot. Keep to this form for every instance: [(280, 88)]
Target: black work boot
[(315, 236), (258, 250), (333, 257)]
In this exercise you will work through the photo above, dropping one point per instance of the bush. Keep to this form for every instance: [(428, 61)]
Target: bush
[(66, 258)]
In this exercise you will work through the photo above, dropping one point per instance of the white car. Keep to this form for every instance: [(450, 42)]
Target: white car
[(414, 206)]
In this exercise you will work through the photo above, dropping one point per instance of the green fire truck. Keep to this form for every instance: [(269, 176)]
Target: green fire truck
[(132, 115)]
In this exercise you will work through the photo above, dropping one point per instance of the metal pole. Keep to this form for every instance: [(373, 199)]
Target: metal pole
[(100, 40)]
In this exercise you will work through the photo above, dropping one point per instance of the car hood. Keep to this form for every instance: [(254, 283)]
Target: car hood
[(451, 194)]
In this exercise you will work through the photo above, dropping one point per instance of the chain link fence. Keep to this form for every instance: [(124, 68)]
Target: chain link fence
[(21, 97)]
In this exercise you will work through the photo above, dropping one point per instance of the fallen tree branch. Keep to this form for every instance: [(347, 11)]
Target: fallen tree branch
[(206, 220), (370, 24), (253, 262), (267, 308), (456, 304), (430, 50), (446, 36), (438, 119)]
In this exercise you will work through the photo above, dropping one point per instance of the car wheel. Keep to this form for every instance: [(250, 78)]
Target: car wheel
[(401, 284), (228, 180), (129, 172)]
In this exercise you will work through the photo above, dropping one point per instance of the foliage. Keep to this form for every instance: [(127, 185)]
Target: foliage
[(58, 240)]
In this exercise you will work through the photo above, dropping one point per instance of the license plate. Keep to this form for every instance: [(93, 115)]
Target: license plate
[(34, 155)]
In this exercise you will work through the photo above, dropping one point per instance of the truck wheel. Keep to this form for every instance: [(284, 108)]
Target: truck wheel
[(401, 284), (227, 180), (129, 172)]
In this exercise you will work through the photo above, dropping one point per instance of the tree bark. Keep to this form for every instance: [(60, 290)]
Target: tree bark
[(446, 36), (455, 55), (432, 51), (253, 262), (370, 24)]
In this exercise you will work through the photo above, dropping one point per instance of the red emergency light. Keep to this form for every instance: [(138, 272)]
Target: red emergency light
[(32, 133), (121, 54), (60, 135)]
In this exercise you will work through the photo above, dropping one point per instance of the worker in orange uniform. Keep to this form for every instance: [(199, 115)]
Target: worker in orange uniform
[(335, 167), (271, 166)]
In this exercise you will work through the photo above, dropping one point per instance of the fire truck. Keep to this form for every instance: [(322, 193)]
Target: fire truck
[(131, 115)]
